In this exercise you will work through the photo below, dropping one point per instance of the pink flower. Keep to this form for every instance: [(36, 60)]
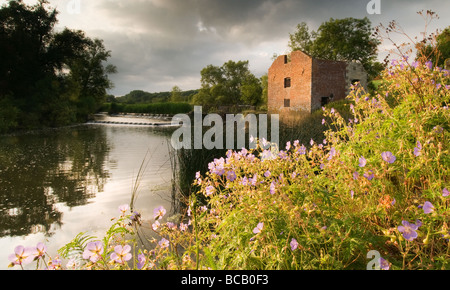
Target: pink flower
[(21, 256), (121, 254), (294, 244), (445, 192), (258, 228), (159, 212), (93, 251)]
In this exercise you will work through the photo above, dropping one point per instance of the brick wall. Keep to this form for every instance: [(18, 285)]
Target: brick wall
[(298, 69), (312, 82), (328, 81)]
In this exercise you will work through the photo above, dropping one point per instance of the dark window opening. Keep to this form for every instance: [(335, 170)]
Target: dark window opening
[(287, 82), (286, 59), (324, 101), (287, 103)]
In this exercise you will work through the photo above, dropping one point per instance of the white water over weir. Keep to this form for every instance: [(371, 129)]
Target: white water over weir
[(132, 119)]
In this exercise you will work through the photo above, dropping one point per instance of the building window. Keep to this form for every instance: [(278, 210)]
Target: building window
[(287, 103), (287, 82)]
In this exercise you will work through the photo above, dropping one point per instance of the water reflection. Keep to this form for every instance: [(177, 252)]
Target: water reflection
[(39, 170), (55, 184)]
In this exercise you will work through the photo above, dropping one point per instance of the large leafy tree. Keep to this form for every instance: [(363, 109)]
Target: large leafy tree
[(339, 39), (230, 84), (47, 77)]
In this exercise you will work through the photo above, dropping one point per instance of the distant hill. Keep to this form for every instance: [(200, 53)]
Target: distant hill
[(139, 97)]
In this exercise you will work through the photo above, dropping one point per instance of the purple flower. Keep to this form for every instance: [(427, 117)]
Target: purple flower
[(302, 150), (121, 254), (267, 173), (445, 192), (141, 261), (428, 207), (272, 187), (332, 153), (355, 175), (429, 64), (415, 64), (369, 175), (417, 151), (294, 244), (408, 230), (258, 228), (159, 212), (231, 175), (93, 251), (21, 256), (209, 190), (362, 162), (388, 157), (384, 265)]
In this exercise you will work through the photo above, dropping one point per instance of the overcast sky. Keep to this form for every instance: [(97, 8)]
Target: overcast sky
[(157, 44)]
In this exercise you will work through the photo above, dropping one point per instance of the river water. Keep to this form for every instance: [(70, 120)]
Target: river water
[(57, 183)]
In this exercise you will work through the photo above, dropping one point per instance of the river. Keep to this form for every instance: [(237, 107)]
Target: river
[(57, 183)]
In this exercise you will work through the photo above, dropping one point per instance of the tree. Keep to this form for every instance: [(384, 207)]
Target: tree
[(339, 39), (231, 84), (175, 95), (49, 78), (438, 52)]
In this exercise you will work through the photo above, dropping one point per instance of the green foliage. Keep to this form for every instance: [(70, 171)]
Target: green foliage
[(51, 78), (231, 84), (152, 108), (340, 39)]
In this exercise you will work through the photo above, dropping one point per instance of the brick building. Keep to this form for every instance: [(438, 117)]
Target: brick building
[(299, 82)]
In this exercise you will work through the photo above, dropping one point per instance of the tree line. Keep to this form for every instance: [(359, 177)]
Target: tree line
[(47, 78)]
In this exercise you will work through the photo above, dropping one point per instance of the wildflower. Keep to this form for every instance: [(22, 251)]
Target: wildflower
[(183, 227), (369, 175), (258, 228), (388, 157), (164, 243), (415, 64), (21, 256), (438, 129), (445, 192), (231, 175), (124, 208), (159, 212), (209, 190), (156, 225), (254, 179), (93, 251), (311, 142), (408, 230), (429, 64), (288, 146), (332, 154), (352, 193), (121, 254), (355, 175), (362, 162), (272, 188), (302, 150), (54, 264), (294, 244), (267, 173), (40, 250), (323, 121), (428, 207), (141, 261), (72, 264), (384, 265)]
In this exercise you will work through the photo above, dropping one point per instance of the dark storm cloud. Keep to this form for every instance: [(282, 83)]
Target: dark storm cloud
[(157, 44)]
